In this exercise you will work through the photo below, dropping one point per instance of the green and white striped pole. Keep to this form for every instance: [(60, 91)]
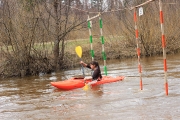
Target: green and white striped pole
[(90, 38), (102, 41)]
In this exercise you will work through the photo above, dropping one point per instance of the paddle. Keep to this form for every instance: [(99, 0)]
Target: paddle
[(78, 50), (79, 53)]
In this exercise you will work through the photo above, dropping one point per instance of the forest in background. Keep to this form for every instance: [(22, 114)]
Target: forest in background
[(37, 35)]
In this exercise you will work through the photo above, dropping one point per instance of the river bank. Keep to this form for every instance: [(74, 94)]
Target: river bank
[(116, 49)]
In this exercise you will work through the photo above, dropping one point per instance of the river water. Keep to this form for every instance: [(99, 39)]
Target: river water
[(33, 98)]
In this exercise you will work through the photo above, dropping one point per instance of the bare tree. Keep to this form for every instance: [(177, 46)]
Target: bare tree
[(27, 27), (65, 21)]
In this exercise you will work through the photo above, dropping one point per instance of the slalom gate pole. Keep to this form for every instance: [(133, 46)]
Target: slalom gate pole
[(163, 46), (102, 41), (90, 38), (138, 49)]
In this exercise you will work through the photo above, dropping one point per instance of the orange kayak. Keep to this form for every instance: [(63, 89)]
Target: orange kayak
[(75, 83)]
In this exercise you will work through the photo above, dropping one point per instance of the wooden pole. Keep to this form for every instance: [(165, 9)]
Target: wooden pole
[(90, 38), (138, 49), (163, 46), (102, 41)]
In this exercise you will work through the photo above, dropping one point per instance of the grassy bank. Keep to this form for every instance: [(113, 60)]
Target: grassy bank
[(116, 47)]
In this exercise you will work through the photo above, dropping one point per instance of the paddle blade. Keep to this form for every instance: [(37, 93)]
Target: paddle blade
[(86, 87), (79, 51)]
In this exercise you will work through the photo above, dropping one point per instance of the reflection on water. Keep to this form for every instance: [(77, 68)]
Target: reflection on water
[(34, 98)]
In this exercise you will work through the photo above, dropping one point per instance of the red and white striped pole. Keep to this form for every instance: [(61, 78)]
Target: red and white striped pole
[(138, 49), (163, 46)]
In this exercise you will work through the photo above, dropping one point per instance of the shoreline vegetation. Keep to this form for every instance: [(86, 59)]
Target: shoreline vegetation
[(114, 49), (41, 36)]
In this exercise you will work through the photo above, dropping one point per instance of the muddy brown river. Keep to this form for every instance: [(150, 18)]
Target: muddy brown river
[(33, 98)]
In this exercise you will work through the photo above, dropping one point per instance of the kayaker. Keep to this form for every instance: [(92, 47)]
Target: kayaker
[(94, 66)]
